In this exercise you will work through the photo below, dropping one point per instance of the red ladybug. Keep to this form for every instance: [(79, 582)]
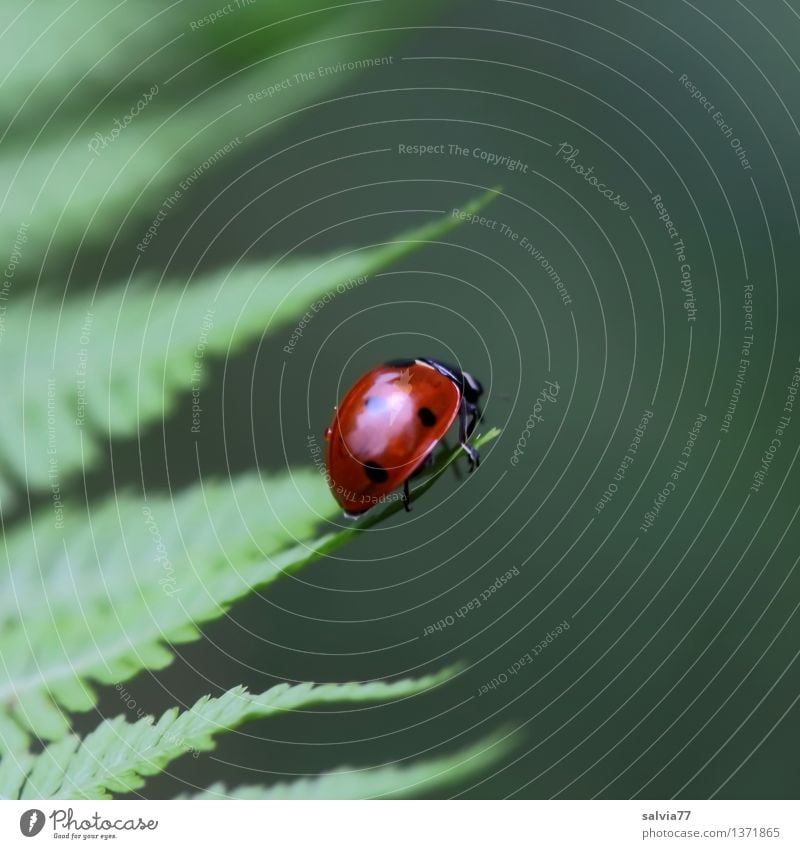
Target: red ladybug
[(388, 424)]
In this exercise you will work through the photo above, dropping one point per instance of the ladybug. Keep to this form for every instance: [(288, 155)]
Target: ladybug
[(387, 425)]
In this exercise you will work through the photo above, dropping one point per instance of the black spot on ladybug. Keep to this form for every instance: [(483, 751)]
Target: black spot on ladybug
[(426, 416), (375, 472)]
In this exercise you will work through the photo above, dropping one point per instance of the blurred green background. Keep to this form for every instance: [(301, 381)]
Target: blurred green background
[(677, 675)]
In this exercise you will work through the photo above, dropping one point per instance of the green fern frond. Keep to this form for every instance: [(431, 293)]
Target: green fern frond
[(8, 498), (391, 781), (55, 59), (68, 193), (99, 601), (89, 370), (330, 542), (129, 578), (118, 755)]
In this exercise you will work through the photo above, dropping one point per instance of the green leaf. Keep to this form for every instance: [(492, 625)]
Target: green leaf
[(392, 781), (331, 541), (98, 601), (87, 370), (118, 755), (69, 193), (8, 498), (60, 61), (127, 579)]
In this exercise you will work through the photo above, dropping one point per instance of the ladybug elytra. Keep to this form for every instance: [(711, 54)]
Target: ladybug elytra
[(387, 425)]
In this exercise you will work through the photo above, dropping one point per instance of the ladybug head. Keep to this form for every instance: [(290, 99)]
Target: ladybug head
[(471, 387)]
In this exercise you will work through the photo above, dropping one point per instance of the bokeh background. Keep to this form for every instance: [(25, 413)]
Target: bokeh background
[(677, 675)]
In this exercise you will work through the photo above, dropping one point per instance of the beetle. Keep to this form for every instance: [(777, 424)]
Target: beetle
[(388, 424)]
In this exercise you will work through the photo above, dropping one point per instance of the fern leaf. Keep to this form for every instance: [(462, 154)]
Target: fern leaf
[(72, 382), (118, 756), (331, 541), (8, 498), (68, 193), (131, 578), (392, 781), (56, 59), (99, 604)]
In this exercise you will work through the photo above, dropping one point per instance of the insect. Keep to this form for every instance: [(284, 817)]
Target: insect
[(387, 425)]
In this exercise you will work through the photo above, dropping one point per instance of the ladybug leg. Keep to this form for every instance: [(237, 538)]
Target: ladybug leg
[(476, 415), (447, 450), (425, 464), (465, 426)]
